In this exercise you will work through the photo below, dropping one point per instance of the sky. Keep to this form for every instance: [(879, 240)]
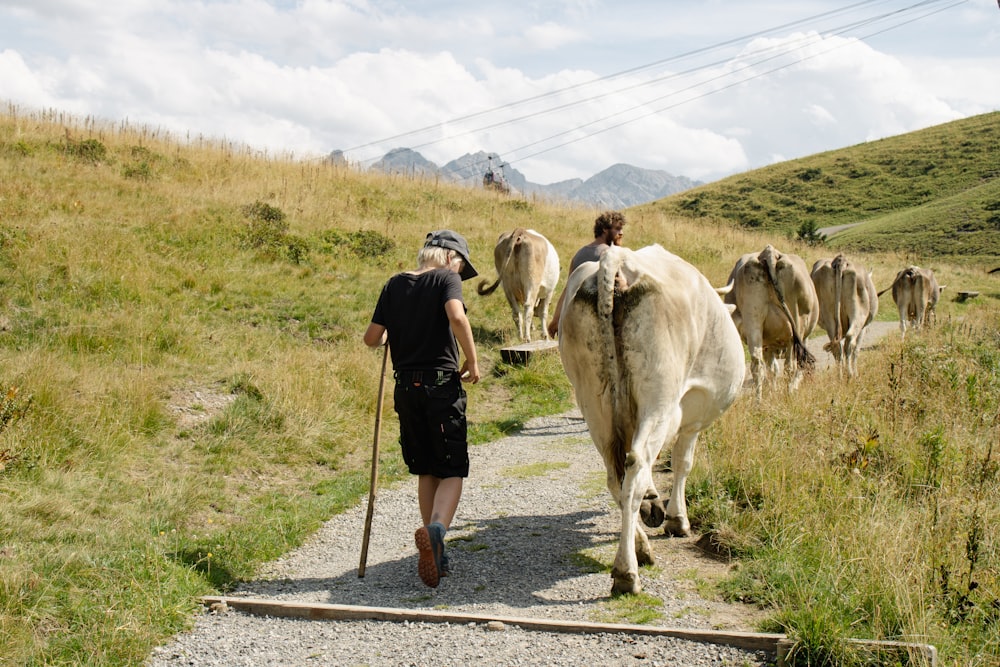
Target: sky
[(558, 89)]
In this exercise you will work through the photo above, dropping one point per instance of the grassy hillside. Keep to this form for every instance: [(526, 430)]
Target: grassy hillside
[(932, 192), (186, 395)]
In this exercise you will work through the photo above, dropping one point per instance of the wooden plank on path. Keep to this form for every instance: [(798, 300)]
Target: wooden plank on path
[(521, 354), (752, 641)]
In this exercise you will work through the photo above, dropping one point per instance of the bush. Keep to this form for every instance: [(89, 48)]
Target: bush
[(363, 243), (266, 226), (90, 150)]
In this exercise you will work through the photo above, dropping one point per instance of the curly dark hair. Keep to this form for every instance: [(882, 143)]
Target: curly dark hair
[(606, 221)]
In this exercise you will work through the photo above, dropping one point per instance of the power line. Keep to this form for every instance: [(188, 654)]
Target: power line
[(703, 95), (768, 54), (609, 77)]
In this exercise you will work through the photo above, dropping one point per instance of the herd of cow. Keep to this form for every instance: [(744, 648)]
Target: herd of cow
[(655, 355)]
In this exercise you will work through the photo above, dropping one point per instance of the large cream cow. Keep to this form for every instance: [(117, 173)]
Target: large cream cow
[(652, 364), (916, 294), (776, 310), (528, 268), (848, 302)]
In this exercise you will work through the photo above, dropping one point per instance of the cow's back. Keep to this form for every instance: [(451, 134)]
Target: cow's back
[(758, 314), (667, 340), (914, 288), (846, 294)]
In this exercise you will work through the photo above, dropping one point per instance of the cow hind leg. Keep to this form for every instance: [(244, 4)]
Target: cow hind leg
[(542, 313), (793, 372), (758, 369), (851, 344), (525, 317), (681, 460)]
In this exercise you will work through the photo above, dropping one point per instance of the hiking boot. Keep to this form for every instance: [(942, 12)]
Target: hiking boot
[(430, 545)]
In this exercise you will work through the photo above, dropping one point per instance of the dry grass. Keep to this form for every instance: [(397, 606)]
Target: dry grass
[(201, 399)]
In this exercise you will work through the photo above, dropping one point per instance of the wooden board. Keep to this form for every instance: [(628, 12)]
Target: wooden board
[(753, 641), (777, 644), (521, 354)]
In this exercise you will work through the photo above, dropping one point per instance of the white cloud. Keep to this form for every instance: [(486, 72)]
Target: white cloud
[(317, 75), (550, 36)]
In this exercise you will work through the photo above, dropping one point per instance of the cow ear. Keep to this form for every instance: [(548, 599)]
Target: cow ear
[(731, 307)]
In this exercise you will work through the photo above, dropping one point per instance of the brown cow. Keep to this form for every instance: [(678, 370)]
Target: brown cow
[(528, 268), (776, 310), (848, 302), (916, 293)]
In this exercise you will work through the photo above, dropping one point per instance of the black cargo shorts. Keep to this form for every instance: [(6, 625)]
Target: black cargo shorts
[(432, 424)]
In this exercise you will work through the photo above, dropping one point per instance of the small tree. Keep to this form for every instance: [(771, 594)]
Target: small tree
[(807, 232)]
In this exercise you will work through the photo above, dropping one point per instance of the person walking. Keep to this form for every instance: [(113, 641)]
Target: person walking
[(420, 314), (608, 231)]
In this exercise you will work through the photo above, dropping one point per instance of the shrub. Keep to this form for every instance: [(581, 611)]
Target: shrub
[(266, 225), (90, 150)]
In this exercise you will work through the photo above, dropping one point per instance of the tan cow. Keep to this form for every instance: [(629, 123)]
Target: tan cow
[(776, 310), (848, 302), (916, 293), (652, 364), (528, 268)]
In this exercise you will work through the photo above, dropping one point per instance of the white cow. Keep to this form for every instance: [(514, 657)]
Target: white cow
[(528, 268), (916, 293), (654, 358), (848, 302), (776, 310)]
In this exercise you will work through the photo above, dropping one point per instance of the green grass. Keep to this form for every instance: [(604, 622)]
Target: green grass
[(926, 193), (639, 609), (182, 325)]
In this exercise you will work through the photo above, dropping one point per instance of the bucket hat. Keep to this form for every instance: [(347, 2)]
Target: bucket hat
[(445, 238)]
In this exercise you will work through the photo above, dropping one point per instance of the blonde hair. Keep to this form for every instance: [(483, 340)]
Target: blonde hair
[(437, 257)]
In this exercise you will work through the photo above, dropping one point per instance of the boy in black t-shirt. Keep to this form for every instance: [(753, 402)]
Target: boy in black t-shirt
[(421, 315)]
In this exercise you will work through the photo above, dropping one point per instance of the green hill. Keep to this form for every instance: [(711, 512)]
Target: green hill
[(931, 192)]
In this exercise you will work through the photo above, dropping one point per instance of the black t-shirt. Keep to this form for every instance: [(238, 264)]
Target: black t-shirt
[(411, 308)]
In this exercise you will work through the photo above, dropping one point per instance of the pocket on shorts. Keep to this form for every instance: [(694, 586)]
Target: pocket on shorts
[(449, 410)]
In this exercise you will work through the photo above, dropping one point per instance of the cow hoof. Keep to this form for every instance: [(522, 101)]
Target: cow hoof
[(652, 512), (644, 555), (675, 527), (625, 583)]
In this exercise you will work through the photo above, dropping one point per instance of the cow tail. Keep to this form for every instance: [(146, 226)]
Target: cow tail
[(482, 289), (610, 264), (838, 290), (803, 356)]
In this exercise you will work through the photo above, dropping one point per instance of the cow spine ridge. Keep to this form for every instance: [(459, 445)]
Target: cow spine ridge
[(610, 264)]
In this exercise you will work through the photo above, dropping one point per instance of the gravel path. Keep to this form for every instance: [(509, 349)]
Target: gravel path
[(534, 512)]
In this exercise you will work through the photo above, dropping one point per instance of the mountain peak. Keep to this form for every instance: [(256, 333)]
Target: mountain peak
[(619, 186)]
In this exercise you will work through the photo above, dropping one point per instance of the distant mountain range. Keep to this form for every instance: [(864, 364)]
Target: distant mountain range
[(617, 187)]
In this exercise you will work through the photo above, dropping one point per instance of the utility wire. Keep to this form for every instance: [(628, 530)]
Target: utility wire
[(701, 96), (776, 52), (781, 51), (632, 70)]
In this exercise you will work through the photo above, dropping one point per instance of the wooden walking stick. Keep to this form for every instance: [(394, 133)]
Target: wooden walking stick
[(374, 479)]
